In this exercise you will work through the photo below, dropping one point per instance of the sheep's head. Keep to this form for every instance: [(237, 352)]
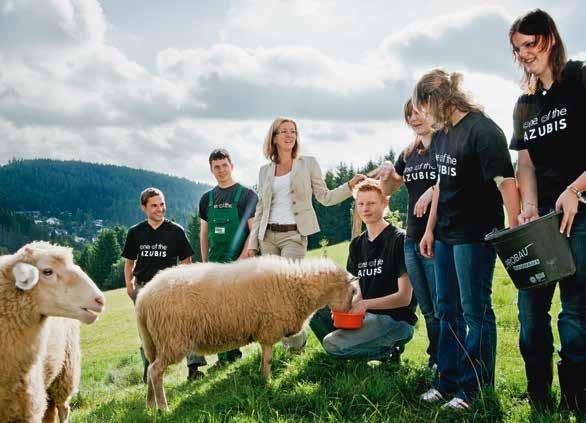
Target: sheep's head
[(47, 273), (342, 291)]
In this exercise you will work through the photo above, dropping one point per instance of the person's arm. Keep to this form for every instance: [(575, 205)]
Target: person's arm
[(423, 202), (568, 202), (527, 184), (426, 243), (204, 243), (253, 235), (186, 260), (321, 191), (511, 199), (128, 277), (390, 179), (401, 298), (244, 252)]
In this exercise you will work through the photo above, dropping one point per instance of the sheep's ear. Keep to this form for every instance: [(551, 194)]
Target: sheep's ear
[(25, 275)]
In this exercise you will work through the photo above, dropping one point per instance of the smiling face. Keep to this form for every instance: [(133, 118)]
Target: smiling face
[(533, 53), (155, 209), (285, 137), (420, 122), (222, 170)]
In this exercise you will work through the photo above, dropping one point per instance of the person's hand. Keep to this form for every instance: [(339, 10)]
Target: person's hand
[(359, 307), (568, 202), (426, 245), (356, 179), (250, 253), (131, 288), (529, 214), (384, 172), (423, 203)]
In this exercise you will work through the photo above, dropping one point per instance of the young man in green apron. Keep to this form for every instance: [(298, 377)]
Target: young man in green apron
[(226, 215)]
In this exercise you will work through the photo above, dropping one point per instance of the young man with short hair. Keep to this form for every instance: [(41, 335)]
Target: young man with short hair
[(226, 215), (384, 292), (152, 245)]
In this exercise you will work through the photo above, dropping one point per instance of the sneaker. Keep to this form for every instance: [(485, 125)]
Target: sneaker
[(432, 395), (194, 373), (456, 404)]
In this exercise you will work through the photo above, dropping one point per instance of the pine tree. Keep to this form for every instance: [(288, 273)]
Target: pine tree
[(106, 253), (193, 235)]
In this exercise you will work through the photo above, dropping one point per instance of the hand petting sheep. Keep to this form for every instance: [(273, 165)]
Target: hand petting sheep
[(41, 292), (211, 307)]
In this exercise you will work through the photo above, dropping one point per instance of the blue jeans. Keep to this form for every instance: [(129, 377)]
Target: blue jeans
[(422, 276), (536, 338), (375, 340), (467, 340)]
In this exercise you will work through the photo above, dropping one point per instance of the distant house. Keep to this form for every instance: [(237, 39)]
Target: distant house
[(52, 221), (99, 223), (78, 239)]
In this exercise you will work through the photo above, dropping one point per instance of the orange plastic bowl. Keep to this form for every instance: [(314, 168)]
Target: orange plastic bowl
[(347, 320)]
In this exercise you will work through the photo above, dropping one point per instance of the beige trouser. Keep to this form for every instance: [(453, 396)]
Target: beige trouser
[(293, 245)]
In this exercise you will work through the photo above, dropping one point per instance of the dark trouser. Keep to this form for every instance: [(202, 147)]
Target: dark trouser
[(422, 276), (467, 340), (536, 338), (192, 358)]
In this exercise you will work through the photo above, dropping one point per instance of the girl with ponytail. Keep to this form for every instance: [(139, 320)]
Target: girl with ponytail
[(475, 178)]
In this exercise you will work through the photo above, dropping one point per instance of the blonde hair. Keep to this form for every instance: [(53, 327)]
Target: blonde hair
[(368, 184), (441, 93), (269, 148), (415, 145)]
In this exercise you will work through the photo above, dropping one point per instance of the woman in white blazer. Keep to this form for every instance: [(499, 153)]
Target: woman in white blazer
[(284, 214)]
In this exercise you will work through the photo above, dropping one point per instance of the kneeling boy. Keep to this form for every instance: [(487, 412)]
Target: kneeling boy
[(384, 291)]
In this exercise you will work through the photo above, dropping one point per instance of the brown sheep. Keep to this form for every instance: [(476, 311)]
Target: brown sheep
[(214, 307), (41, 291)]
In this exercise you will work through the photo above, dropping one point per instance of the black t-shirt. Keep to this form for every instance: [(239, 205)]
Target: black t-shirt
[(550, 126), (419, 173), (155, 249), (224, 197), (379, 264), (469, 156)]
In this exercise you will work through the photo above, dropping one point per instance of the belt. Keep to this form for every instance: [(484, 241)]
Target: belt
[(275, 227)]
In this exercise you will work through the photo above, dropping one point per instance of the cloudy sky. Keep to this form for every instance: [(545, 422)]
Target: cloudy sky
[(158, 84)]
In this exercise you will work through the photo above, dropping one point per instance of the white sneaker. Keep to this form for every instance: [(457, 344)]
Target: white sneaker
[(432, 395), (456, 404)]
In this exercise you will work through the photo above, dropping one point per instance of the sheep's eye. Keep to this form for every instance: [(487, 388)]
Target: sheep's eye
[(47, 272)]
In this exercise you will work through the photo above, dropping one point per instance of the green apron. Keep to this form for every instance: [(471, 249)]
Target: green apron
[(225, 238)]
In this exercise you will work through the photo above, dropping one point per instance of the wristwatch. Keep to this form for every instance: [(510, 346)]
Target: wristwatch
[(579, 194)]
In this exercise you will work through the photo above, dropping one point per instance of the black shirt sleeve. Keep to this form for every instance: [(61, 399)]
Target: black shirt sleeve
[(203, 206), (184, 249), (247, 204), (400, 164), (517, 141), (130, 250), (492, 152), (351, 265), (399, 255)]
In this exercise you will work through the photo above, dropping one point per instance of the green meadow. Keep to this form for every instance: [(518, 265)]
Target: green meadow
[(307, 387)]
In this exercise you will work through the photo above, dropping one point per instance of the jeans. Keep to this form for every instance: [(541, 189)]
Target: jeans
[(467, 340), (375, 340), (536, 338), (422, 276)]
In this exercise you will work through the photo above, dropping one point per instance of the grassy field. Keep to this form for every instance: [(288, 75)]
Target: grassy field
[(307, 387)]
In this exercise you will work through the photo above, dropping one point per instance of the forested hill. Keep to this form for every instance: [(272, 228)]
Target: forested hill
[(89, 190)]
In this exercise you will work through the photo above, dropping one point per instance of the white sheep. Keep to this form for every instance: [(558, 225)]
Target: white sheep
[(214, 307), (41, 291)]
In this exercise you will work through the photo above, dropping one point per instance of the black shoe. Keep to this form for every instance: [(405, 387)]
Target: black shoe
[(395, 357), (194, 373)]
